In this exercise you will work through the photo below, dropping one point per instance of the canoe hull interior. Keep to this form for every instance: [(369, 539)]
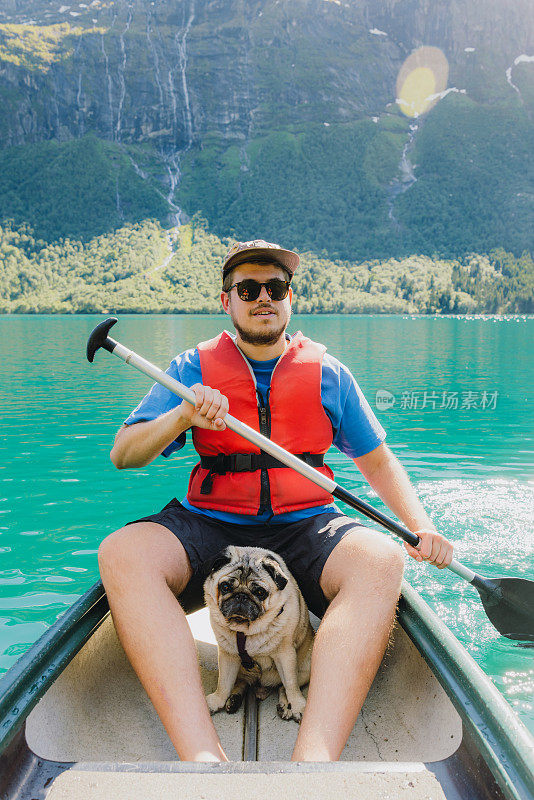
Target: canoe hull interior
[(95, 734), (97, 710)]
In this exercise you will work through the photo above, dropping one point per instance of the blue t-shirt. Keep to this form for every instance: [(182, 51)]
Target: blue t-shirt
[(356, 430)]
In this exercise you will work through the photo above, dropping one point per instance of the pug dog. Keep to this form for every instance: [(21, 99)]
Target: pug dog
[(262, 626)]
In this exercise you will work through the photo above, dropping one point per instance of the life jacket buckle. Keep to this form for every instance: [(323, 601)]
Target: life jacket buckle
[(243, 462)]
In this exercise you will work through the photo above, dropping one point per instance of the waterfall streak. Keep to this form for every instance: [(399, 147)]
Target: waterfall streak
[(79, 105), (248, 80), (122, 70), (172, 162), (182, 53), (170, 79), (155, 59), (522, 59), (110, 97), (142, 174), (407, 174)]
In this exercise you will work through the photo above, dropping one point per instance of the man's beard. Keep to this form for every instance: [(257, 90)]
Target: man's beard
[(261, 337)]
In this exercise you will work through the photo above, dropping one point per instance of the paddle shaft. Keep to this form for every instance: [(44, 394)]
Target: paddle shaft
[(290, 460)]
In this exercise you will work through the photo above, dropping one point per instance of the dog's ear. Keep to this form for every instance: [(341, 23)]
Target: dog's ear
[(218, 562), (274, 571)]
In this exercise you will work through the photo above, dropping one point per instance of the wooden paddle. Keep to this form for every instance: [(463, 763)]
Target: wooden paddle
[(508, 602)]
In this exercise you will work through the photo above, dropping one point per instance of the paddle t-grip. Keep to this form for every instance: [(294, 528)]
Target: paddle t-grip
[(99, 338)]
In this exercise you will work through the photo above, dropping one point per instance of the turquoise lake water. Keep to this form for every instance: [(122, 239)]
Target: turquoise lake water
[(473, 466)]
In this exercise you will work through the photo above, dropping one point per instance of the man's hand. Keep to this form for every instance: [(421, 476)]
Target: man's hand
[(210, 408), (433, 547)]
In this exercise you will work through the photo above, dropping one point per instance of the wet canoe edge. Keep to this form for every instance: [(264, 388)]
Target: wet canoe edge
[(496, 731), (495, 759)]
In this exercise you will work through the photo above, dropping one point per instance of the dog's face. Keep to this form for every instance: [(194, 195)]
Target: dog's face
[(245, 583)]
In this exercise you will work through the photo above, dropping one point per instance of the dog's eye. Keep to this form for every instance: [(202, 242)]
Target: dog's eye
[(259, 592), (225, 587)]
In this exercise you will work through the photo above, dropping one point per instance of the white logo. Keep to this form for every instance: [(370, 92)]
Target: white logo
[(384, 400)]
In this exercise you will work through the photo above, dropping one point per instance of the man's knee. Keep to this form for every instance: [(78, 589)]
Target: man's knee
[(389, 559), (140, 551), (371, 558), (114, 554)]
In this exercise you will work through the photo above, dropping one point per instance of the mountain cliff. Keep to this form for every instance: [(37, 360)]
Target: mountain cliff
[(172, 72), (280, 118)]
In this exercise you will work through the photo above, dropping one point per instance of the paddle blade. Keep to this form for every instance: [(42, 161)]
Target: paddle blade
[(509, 604)]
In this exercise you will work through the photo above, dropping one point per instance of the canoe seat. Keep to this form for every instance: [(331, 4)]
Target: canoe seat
[(357, 784)]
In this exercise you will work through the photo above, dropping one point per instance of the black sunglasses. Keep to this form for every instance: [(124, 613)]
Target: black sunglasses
[(250, 289)]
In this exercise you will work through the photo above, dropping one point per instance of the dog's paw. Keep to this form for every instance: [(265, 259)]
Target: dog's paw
[(233, 703), (215, 703), (262, 692), (293, 710), (285, 711), (297, 705)]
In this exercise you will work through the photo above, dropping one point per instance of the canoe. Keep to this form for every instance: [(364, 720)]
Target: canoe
[(75, 722)]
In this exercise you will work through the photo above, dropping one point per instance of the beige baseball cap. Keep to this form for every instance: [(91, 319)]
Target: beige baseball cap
[(259, 250)]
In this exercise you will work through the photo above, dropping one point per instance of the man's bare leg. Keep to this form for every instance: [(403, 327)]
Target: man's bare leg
[(143, 567), (362, 579)]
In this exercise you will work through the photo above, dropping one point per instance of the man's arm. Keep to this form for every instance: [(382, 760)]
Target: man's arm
[(139, 444), (384, 472)]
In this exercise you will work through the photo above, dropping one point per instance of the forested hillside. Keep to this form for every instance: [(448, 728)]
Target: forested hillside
[(140, 269), (333, 188), (323, 189), (78, 189)]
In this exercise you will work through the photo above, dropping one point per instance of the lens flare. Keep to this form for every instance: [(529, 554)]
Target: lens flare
[(421, 81)]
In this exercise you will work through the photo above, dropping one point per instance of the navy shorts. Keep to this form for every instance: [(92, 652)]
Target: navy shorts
[(304, 545)]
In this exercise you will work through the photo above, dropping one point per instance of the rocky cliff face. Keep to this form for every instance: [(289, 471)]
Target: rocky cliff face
[(209, 101), (172, 72)]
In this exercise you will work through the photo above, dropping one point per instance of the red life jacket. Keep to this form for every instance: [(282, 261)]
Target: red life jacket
[(298, 422)]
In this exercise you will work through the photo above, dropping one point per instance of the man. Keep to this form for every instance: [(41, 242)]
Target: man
[(288, 388)]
